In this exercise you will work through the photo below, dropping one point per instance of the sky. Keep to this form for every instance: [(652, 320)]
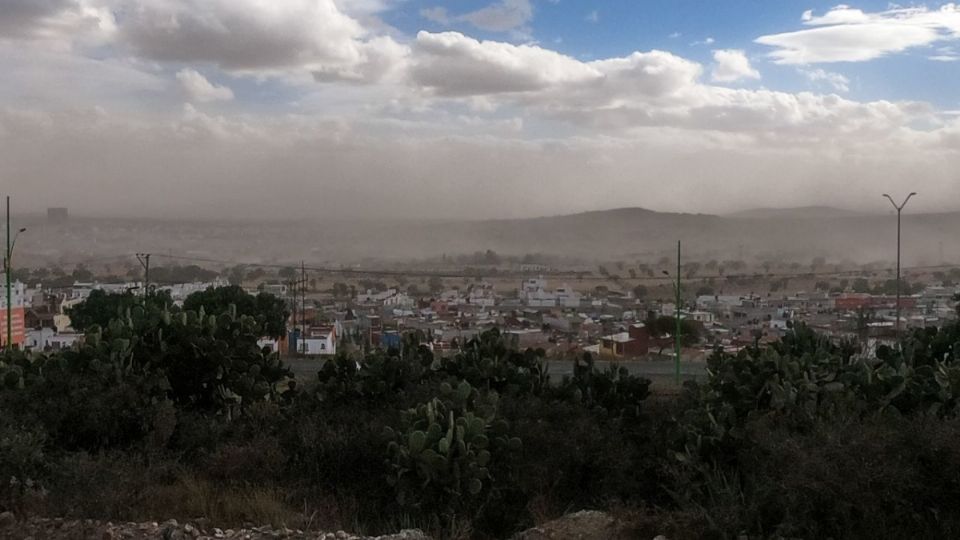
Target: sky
[(267, 109)]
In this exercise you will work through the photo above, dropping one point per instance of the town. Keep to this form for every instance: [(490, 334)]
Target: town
[(616, 322)]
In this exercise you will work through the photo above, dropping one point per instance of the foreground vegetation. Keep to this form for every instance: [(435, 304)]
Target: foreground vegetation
[(169, 413)]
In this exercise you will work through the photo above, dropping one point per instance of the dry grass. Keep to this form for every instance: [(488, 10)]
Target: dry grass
[(219, 504)]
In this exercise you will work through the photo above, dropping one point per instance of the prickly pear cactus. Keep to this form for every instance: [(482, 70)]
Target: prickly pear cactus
[(441, 455)]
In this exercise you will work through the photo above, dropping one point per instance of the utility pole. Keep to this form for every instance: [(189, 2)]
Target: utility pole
[(677, 333), (899, 210), (6, 270), (296, 331), (303, 304), (676, 318), (144, 259)]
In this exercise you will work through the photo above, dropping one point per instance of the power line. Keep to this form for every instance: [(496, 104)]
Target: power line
[(567, 274)]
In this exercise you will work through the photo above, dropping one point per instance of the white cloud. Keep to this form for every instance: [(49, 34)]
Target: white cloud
[(245, 35), (436, 14), (500, 16), (846, 34), (732, 65), (593, 16), (60, 23), (451, 63), (707, 41), (197, 88), (837, 81)]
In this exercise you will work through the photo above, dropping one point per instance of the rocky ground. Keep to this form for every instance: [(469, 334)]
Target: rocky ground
[(63, 529), (586, 525)]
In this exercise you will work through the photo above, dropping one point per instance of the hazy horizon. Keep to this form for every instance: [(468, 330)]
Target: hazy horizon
[(795, 212)]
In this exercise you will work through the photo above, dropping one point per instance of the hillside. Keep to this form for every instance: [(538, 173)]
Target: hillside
[(800, 212)]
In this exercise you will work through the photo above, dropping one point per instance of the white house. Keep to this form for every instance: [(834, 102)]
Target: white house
[(704, 317), (567, 297), (541, 298), (372, 297), (321, 341), (532, 285), (181, 291), (401, 300), (44, 338)]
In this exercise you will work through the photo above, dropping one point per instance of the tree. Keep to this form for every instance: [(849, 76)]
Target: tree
[(640, 291), (269, 311), (181, 274), (664, 325), (861, 285), (340, 290), (101, 307), (287, 272), (81, 273), (237, 274), (435, 284), (705, 291)]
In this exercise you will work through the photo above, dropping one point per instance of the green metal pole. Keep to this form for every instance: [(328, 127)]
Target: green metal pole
[(677, 332), (9, 295)]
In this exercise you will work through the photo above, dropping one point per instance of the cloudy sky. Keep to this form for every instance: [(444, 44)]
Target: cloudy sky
[(475, 108)]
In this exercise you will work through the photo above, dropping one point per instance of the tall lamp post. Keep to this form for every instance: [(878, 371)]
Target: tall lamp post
[(8, 270), (899, 209)]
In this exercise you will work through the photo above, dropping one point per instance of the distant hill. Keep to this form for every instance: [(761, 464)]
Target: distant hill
[(796, 234), (799, 212)]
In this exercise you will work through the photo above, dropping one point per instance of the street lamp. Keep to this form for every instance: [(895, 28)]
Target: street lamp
[(8, 269), (899, 209)]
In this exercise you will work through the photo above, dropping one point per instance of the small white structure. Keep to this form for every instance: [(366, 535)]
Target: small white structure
[(400, 300), (704, 317), (372, 297), (320, 341), (49, 339), (181, 291), (567, 297)]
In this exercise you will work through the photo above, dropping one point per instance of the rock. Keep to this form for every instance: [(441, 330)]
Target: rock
[(7, 519), (406, 534), (584, 525)]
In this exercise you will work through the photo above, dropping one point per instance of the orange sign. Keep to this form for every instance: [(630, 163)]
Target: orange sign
[(18, 329)]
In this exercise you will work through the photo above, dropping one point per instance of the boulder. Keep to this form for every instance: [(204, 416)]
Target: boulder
[(583, 525)]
